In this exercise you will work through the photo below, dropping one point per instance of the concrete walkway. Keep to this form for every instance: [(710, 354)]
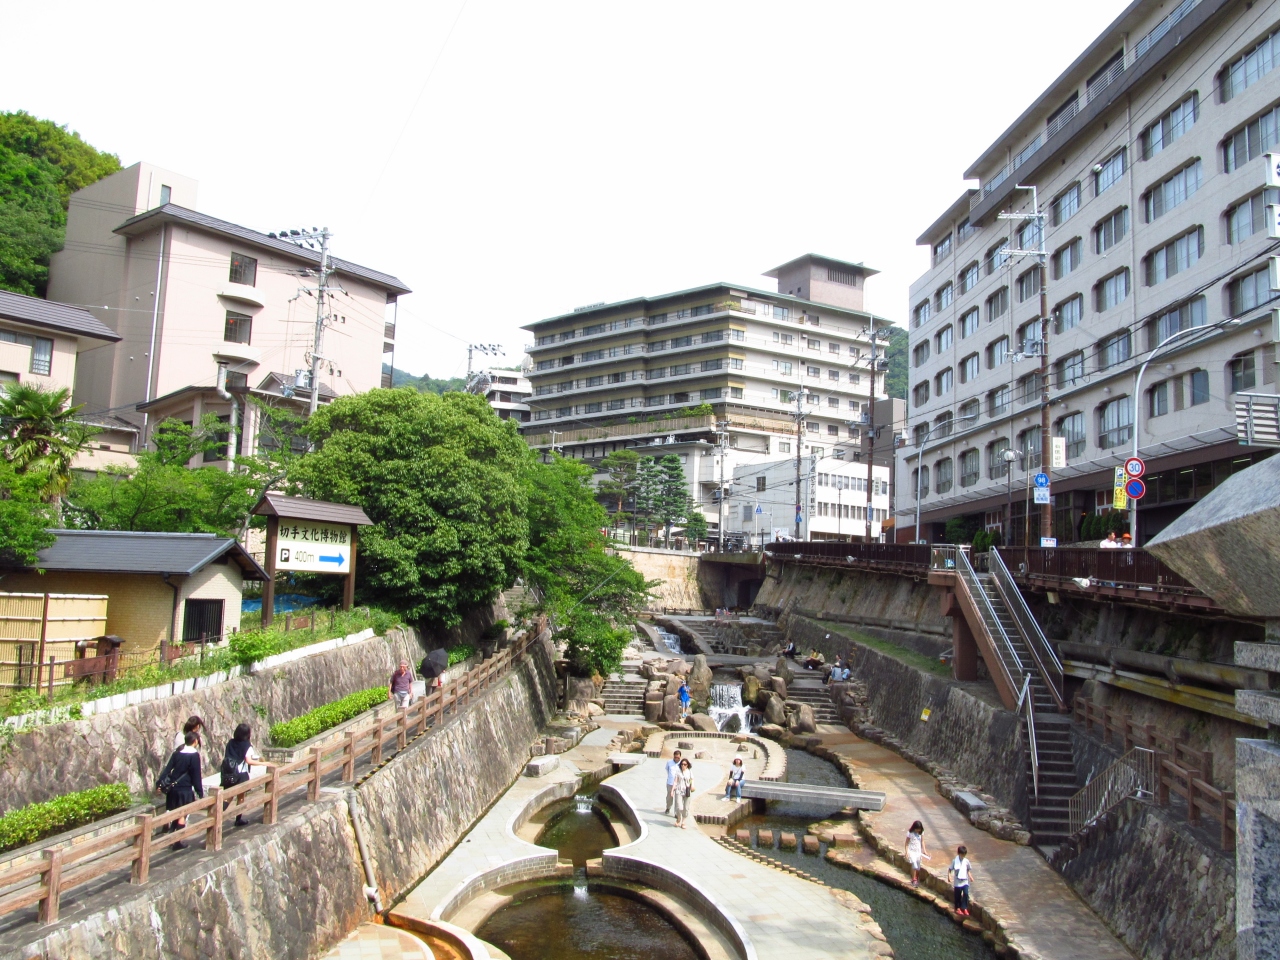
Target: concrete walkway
[(1037, 910), (373, 941)]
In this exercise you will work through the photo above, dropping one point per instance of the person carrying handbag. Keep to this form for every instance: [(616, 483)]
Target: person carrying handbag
[(683, 792), (239, 756), (180, 781)]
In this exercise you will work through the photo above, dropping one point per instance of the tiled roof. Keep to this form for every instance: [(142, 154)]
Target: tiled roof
[(122, 551), (51, 315)]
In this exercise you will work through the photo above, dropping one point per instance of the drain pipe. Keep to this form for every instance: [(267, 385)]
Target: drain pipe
[(233, 421), (371, 885)]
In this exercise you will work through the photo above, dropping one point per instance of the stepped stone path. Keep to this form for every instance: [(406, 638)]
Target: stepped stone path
[(1040, 914)]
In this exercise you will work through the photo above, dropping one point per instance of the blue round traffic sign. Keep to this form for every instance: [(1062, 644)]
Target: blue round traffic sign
[(1136, 489), (1040, 479)]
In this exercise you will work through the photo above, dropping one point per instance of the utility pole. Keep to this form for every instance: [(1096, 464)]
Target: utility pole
[(555, 447), (871, 431), (480, 383), (310, 238), (722, 435), (799, 439)]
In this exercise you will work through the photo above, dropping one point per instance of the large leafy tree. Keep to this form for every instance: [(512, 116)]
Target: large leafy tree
[(25, 517), (41, 165), (442, 478), (40, 435), (619, 483)]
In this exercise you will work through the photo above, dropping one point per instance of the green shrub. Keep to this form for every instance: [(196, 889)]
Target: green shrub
[(289, 733), (36, 821), (250, 646), (495, 630), (460, 652)]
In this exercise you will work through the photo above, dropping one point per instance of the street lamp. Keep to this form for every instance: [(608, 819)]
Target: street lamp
[(1137, 399), (1010, 456), (928, 432)]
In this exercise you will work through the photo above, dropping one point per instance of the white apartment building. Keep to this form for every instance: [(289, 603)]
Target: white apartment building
[(760, 503), (507, 391), (720, 364), (1149, 158), (185, 292)]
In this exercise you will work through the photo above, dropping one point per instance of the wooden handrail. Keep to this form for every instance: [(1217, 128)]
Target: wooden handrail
[(41, 881)]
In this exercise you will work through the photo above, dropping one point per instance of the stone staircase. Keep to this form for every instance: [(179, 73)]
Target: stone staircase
[(624, 696), (817, 697)]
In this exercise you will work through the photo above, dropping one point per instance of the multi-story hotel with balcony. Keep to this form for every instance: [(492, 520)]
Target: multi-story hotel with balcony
[(638, 374), (1149, 156)]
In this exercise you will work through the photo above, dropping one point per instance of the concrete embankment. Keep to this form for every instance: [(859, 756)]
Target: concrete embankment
[(290, 891)]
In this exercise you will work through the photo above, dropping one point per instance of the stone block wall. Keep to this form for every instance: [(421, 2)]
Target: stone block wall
[(855, 594), (677, 573), (132, 745)]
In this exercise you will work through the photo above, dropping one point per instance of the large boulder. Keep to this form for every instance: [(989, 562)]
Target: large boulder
[(775, 711), (773, 731), (803, 721), (671, 708), (678, 667), (653, 710), (750, 689), (700, 679), (762, 674), (778, 686), (783, 669), (703, 722), (673, 685)]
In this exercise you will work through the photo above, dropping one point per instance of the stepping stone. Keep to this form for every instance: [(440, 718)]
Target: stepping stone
[(685, 745), (811, 844), (743, 837), (541, 766), (787, 841), (764, 838), (845, 839)]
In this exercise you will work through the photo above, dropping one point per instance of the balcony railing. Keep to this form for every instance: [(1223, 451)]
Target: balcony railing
[(1133, 569)]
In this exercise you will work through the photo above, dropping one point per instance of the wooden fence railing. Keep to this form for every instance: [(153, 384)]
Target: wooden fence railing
[(42, 880), (1180, 769)]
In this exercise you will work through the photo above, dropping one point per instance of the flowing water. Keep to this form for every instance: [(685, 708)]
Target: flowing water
[(579, 829), (671, 640), (727, 710), (579, 922)]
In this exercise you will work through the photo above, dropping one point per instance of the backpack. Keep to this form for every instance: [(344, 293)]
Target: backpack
[(233, 769)]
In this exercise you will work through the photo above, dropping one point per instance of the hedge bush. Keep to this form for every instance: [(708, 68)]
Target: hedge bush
[(461, 652), (36, 821), (289, 733)]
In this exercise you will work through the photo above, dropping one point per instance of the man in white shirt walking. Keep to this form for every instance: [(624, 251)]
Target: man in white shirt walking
[(673, 769)]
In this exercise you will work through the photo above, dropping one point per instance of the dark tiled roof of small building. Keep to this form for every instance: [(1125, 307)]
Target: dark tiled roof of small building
[(122, 551), (300, 508), (51, 315)]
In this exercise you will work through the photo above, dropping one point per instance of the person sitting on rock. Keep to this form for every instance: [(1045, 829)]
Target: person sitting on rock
[(814, 661), (789, 651)]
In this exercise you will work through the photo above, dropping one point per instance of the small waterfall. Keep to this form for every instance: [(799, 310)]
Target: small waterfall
[(671, 640), (582, 804), (580, 886), (727, 710)]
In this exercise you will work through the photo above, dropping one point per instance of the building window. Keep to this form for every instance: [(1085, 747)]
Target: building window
[(833, 430), (919, 433), (942, 298), (1170, 127), (761, 484), (1115, 422), (1246, 218), (817, 344), (1114, 350), (166, 194), (202, 621), (998, 401), (784, 446), (1182, 317), (920, 394), (997, 465), (1251, 290), (835, 374), (711, 393), (243, 269), (1112, 291), (1240, 372), (1068, 314), (1029, 387), (997, 304), (238, 327), (1066, 258), (833, 347), (942, 475), (813, 371), (1158, 399), (811, 427), (615, 405), (969, 468), (1066, 204), (1072, 429), (942, 424), (997, 256), (1070, 370), (920, 354), (1172, 191), (965, 230), (1110, 230), (1254, 138), (1029, 235), (1029, 444), (1112, 170), (997, 352), (970, 409), (1029, 338), (1029, 284), (920, 481), (969, 368), (969, 277), (1246, 70), (969, 323), (944, 381), (1176, 256), (920, 315), (942, 249), (1199, 387), (833, 403), (783, 367), (942, 341)]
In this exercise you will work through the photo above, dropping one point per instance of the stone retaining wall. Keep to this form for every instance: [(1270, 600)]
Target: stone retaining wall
[(132, 745), (912, 604)]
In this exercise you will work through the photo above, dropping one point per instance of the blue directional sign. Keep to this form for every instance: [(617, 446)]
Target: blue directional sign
[(339, 559), (1041, 479)]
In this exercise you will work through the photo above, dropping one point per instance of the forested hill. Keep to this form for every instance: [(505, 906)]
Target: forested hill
[(424, 383), (896, 353), (41, 165)]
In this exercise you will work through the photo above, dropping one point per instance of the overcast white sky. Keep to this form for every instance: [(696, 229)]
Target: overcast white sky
[(560, 153)]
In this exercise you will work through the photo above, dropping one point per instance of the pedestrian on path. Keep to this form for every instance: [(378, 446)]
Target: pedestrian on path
[(401, 686), (916, 851), (736, 774), (239, 756), (180, 781), (683, 792), (960, 873), (673, 769), (193, 724), (685, 697)]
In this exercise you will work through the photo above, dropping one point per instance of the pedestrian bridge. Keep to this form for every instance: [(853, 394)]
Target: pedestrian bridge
[(821, 799)]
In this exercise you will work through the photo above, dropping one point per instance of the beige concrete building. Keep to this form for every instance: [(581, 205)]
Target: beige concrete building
[(185, 292), (659, 374), (507, 391), (1151, 156)]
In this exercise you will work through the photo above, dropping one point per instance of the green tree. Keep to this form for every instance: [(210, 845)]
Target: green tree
[(442, 478), (24, 517), (619, 484), (672, 494), (41, 165), (648, 491), (425, 383), (895, 351), (41, 435), (695, 521)]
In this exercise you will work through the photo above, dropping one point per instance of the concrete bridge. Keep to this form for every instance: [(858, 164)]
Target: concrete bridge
[(821, 799)]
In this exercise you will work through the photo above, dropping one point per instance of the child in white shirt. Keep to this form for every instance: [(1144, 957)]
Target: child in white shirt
[(961, 872)]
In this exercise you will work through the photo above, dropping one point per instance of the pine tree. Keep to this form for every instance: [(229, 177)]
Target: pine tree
[(619, 485), (647, 492), (673, 493)]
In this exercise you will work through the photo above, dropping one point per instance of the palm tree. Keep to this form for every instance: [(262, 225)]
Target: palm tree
[(41, 435)]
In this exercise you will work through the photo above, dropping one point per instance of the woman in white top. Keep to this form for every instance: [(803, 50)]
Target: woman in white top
[(916, 851), (193, 725), (683, 792)]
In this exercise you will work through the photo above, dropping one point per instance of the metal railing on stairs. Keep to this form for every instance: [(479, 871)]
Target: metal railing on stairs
[(1133, 775), (1015, 670), (1046, 659), (1029, 702)]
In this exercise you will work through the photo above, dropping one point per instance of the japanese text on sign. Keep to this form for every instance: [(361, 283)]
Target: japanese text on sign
[(313, 546)]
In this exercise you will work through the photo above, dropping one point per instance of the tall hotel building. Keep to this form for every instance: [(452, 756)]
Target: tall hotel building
[(1152, 158), (637, 374)]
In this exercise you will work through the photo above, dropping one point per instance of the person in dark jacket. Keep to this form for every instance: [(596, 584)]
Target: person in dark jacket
[(236, 761), (183, 772)]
